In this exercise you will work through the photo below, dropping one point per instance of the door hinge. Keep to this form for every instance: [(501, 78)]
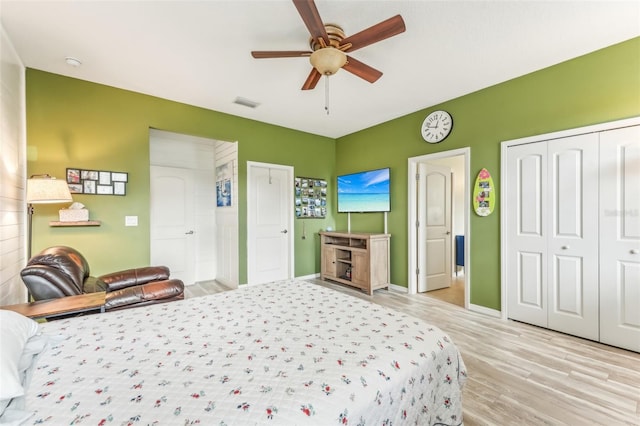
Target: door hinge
[(417, 176), (417, 271)]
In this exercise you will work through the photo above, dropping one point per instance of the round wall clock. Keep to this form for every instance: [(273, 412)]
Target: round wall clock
[(437, 126)]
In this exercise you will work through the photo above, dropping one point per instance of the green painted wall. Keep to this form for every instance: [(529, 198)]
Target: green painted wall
[(73, 123), (78, 124), (599, 87)]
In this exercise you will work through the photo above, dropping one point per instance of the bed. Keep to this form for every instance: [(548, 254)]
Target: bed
[(284, 353)]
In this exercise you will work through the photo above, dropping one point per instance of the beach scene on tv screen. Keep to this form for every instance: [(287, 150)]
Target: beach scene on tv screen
[(364, 192)]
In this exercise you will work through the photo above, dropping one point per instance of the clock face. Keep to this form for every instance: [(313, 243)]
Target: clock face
[(437, 126)]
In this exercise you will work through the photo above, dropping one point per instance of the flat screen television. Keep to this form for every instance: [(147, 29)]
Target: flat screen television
[(366, 191)]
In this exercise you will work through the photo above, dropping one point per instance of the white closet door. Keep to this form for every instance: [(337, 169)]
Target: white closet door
[(526, 233), (572, 278), (552, 234), (620, 238)]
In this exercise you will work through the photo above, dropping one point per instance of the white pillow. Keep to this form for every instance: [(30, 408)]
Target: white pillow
[(15, 330)]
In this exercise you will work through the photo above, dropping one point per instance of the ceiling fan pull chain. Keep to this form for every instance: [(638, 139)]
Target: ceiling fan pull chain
[(326, 93)]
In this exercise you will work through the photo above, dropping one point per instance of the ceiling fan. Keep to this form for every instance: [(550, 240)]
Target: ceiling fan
[(329, 46)]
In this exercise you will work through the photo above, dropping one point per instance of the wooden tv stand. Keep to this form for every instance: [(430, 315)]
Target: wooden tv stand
[(358, 259)]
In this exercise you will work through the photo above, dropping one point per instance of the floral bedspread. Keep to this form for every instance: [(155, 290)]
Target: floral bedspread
[(284, 353)]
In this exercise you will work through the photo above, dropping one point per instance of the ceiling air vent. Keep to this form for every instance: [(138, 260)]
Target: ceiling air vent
[(245, 102)]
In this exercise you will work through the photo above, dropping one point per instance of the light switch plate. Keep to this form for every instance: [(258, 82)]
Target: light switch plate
[(131, 221)]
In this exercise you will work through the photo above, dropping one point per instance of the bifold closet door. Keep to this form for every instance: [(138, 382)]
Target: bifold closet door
[(620, 238), (526, 233), (552, 271), (572, 206)]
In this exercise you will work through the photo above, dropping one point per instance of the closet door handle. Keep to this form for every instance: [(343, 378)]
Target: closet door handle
[(189, 233), (565, 247), (634, 251)]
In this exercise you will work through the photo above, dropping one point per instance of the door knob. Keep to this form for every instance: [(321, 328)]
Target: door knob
[(284, 232), (634, 251), (565, 247), (189, 233)]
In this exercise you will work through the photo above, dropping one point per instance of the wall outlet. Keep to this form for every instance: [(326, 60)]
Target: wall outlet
[(131, 221)]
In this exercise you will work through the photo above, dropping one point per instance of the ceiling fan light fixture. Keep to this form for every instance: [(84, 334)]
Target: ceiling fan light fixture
[(328, 60)]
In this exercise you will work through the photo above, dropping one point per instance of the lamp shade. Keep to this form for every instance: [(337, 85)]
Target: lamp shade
[(328, 60), (46, 189)]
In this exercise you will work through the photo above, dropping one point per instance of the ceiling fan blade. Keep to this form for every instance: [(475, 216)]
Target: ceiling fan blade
[(264, 54), (309, 14), (312, 80), (385, 29), (362, 70)]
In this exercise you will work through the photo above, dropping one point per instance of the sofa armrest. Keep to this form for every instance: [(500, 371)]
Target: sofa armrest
[(157, 291), (93, 285), (133, 277)]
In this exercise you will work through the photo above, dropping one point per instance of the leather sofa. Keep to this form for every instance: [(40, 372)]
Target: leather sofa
[(62, 271)]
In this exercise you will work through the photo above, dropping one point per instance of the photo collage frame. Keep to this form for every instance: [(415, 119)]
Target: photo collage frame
[(310, 198), (97, 182)]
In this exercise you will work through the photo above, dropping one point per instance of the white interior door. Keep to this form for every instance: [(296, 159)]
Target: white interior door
[(620, 238), (205, 231), (172, 221), (573, 239), (526, 223), (434, 213), (269, 222)]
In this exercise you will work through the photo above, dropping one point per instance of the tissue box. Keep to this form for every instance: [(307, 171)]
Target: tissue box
[(74, 215)]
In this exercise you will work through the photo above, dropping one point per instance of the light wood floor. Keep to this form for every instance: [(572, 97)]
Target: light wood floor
[(453, 294), (521, 374)]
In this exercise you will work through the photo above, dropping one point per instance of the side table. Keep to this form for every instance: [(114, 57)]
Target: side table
[(62, 306)]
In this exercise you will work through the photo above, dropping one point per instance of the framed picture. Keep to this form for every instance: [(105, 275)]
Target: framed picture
[(119, 177), (105, 178), (224, 185), (97, 182), (223, 193), (89, 186), (73, 175), (75, 188), (104, 189), (119, 188), (89, 174), (310, 198)]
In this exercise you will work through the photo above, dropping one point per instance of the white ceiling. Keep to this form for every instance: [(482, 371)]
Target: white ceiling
[(198, 52)]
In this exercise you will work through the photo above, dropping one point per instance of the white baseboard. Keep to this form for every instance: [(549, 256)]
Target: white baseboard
[(308, 277), (484, 310), (393, 287), (399, 288)]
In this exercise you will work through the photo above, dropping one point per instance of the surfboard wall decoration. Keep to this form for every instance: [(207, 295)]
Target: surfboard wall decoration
[(484, 196)]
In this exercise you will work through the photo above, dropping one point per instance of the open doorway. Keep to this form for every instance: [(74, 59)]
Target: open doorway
[(190, 231), (428, 257)]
